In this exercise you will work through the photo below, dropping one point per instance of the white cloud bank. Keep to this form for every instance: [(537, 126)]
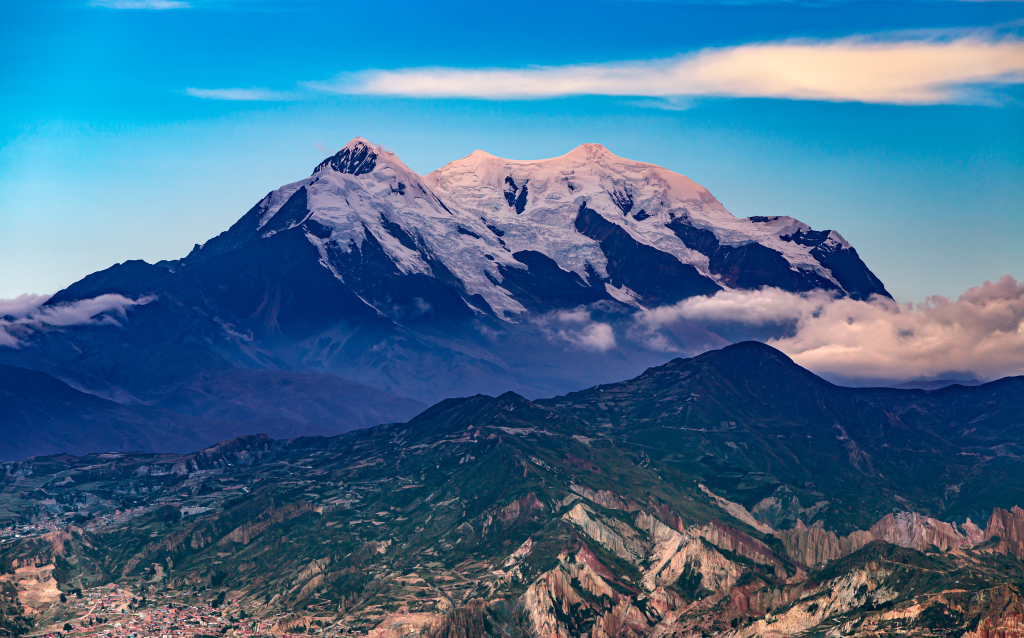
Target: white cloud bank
[(21, 316), (936, 71), (981, 332)]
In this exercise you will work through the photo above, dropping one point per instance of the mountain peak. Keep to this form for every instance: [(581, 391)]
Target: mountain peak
[(590, 152), (749, 353), (357, 141), (751, 348), (358, 157)]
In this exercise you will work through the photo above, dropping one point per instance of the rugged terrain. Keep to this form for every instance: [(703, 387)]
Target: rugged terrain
[(483, 276), (733, 493)]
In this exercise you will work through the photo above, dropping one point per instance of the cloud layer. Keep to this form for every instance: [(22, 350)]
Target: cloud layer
[(577, 328), (845, 70), (140, 4), (239, 95), (981, 333), (23, 315)]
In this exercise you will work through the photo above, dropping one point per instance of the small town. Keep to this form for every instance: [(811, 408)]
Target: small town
[(115, 612)]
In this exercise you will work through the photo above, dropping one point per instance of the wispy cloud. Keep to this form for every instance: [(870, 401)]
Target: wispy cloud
[(577, 328), (928, 71), (240, 95), (23, 315), (980, 333), (157, 5)]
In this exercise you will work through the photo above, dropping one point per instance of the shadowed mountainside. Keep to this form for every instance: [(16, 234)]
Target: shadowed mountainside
[(42, 415)]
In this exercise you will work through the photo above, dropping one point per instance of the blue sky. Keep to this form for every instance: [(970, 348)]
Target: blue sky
[(107, 153)]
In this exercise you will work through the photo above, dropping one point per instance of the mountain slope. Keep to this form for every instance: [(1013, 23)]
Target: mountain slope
[(622, 511), (749, 410), (41, 415), (483, 276)]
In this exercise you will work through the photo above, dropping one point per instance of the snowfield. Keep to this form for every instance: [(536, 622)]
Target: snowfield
[(472, 216)]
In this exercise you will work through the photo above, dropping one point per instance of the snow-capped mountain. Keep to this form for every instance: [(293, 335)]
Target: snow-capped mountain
[(501, 232), (482, 276)]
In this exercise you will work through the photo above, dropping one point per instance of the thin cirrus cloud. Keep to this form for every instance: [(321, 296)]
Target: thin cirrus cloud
[(858, 69), (980, 333), (240, 95), (153, 5), (25, 314)]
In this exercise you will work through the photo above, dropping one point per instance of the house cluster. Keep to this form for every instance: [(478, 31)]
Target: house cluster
[(117, 516), (25, 531), (114, 612)]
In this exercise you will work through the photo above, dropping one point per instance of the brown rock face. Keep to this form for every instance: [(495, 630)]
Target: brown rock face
[(733, 540), (553, 596), (273, 516), (1002, 612), (1008, 525), (814, 546), (909, 529), (605, 498), (1008, 627), (522, 507)]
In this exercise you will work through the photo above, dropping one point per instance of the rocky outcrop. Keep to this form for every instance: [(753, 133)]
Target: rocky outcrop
[(37, 588), (312, 576), (701, 559), (605, 498), (665, 555), (665, 603), (580, 597), (814, 546), (523, 507), (311, 586), (521, 552), (614, 535), (909, 529), (676, 554), (783, 509), (1010, 626), (737, 511), (666, 543), (755, 598), (289, 624), (665, 514), (553, 596), (732, 540), (245, 533), (833, 598), (1008, 525)]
